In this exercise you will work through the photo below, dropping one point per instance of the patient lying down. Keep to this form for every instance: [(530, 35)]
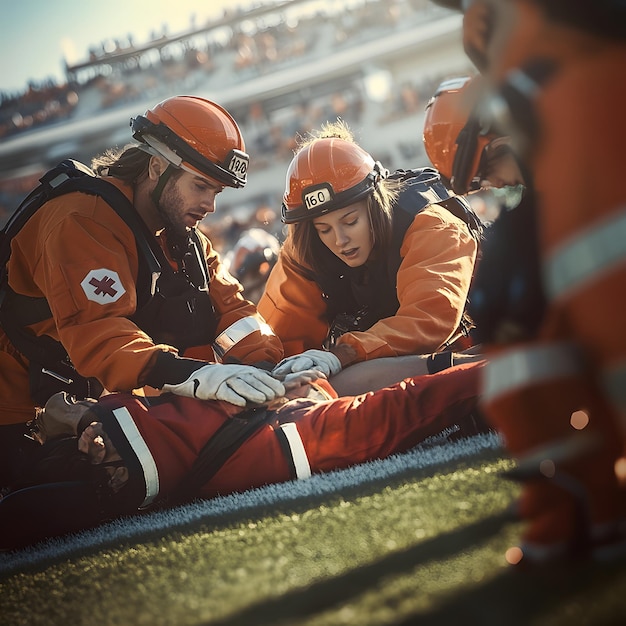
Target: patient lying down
[(124, 454)]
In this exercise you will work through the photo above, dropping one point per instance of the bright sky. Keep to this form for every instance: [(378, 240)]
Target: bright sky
[(37, 36)]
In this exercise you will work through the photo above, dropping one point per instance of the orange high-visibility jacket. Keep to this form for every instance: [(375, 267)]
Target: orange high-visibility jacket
[(438, 254), (57, 254), (574, 375)]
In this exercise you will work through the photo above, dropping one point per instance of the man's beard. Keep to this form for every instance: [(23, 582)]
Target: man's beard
[(177, 231)]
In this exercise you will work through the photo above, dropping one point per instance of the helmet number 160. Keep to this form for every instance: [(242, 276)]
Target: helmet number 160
[(317, 197)]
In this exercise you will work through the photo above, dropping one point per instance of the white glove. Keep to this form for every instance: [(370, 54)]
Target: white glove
[(237, 384), (297, 379), (321, 360)]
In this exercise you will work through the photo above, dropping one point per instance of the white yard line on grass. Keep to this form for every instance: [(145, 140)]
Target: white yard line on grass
[(203, 510)]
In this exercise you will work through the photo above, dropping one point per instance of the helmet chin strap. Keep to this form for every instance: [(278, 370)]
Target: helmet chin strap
[(158, 189)]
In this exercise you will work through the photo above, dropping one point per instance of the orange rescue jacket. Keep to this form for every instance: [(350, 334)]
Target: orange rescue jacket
[(438, 255), (59, 247)]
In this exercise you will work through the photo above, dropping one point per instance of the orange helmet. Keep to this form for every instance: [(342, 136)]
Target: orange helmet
[(453, 137), (325, 175), (196, 135)]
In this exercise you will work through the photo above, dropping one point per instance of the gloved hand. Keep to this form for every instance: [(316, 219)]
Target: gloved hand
[(321, 360), (297, 379), (237, 384)]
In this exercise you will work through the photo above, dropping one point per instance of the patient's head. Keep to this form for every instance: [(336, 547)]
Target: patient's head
[(62, 416), (76, 447)]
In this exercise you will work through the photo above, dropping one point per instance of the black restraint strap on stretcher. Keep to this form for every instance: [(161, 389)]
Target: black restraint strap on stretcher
[(228, 438)]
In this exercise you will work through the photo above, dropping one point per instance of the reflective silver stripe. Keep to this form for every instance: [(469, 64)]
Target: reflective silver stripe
[(528, 367), (523, 83), (298, 453), (238, 331), (137, 443), (596, 250), (615, 383)]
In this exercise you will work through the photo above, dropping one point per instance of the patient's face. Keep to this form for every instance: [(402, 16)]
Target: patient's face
[(60, 417)]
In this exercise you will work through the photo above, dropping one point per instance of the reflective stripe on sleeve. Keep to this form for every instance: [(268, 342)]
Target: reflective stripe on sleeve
[(137, 443), (523, 83), (298, 453), (529, 367), (597, 250), (237, 332), (614, 379)]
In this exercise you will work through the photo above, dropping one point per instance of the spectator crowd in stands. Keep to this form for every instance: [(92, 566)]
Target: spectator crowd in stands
[(120, 71)]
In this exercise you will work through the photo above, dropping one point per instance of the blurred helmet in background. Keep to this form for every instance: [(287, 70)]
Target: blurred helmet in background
[(454, 136)]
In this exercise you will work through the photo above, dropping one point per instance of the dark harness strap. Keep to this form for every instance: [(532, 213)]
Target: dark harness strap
[(231, 435), (18, 312), (30, 310)]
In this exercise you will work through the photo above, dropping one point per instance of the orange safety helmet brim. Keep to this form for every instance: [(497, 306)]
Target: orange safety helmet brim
[(326, 175), (454, 138), (197, 135)]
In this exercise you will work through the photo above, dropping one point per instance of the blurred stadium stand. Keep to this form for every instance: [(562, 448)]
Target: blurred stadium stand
[(282, 69)]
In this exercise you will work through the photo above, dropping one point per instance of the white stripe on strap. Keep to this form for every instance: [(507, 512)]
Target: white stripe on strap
[(298, 453), (137, 443), (238, 331), (596, 250), (529, 367)]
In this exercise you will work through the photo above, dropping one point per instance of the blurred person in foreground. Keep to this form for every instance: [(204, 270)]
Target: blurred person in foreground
[(556, 391), (375, 264), (125, 454), (102, 311)]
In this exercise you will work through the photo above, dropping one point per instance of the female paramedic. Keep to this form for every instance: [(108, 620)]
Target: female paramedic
[(374, 265)]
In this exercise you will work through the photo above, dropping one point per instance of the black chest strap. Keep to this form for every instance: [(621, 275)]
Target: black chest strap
[(231, 435)]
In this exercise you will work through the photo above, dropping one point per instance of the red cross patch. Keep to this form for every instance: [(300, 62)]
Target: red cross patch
[(103, 286)]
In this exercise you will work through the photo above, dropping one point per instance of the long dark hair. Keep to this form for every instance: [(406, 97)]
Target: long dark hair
[(129, 164), (304, 245)]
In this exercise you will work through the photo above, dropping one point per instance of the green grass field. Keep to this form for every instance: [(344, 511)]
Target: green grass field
[(423, 547)]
